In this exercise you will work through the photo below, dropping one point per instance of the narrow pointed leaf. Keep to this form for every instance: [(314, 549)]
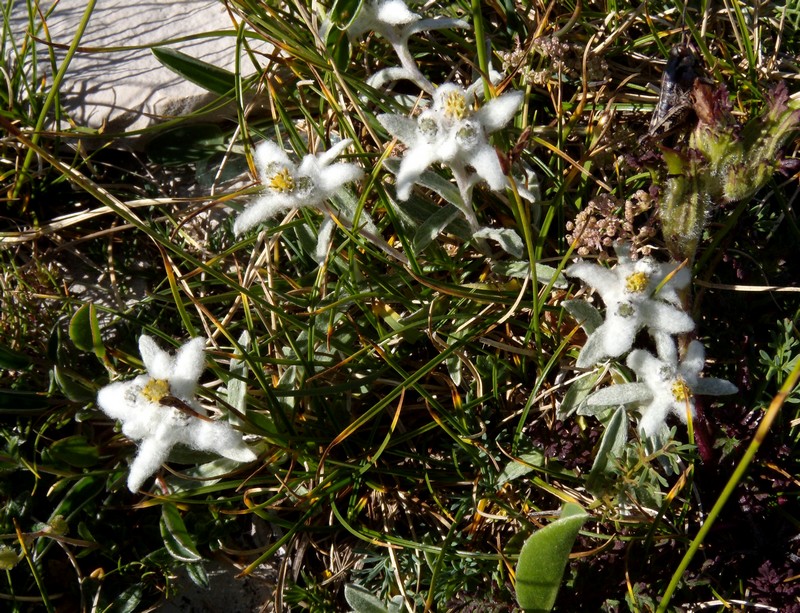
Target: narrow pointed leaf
[(176, 538), (209, 77)]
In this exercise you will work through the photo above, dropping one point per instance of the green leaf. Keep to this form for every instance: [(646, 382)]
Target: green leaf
[(611, 446), (13, 360), (13, 402), (508, 240), (84, 330), (128, 601), (75, 451), (362, 600), (433, 226), (520, 467), (176, 538), (209, 77), (586, 314), (343, 12), (237, 388), (198, 575), (544, 557), (577, 394), (522, 270), (73, 390)]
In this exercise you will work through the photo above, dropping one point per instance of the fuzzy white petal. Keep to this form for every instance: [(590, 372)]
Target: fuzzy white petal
[(414, 164), (157, 361), (336, 176), (711, 386), (261, 210), (618, 334), (111, 399), (189, 364), (401, 127), (665, 317), (151, 455), (497, 112), (220, 438), (269, 153), (327, 157), (486, 163)]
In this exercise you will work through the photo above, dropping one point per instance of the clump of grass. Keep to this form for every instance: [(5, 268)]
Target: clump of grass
[(410, 387)]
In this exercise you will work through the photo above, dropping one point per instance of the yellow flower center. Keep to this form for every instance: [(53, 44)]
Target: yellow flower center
[(155, 389), (681, 391), (637, 282), (455, 106), (282, 181)]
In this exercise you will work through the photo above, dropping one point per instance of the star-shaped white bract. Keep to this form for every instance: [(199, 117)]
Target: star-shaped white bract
[(666, 386), (287, 185), (389, 18), (454, 133), (629, 293), (144, 406), (393, 20)]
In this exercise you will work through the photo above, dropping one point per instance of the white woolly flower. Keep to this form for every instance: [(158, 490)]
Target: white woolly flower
[(287, 185), (629, 293), (159, 410), (386, 17), (665, 385), (393, 20), (454, 133)]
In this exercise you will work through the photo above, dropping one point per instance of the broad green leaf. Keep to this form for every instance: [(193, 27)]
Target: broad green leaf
[(543, 559), (611, 446), (176, 538), (126, 602), (507, 238), (72, 389), (362, 600), (237, 388), (198, 575), (80, 494), (520, 467), (84, 330), (433, 227), (13, 360), (75, 451), (343, 12), (209, 77), (577, 393), (522, 270), (586, 314)]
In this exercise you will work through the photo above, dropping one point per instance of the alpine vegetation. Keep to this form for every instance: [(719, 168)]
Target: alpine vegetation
[(289, 186), (637, 294), (160, 410), (393, 20), (666, 386), (454, 133)]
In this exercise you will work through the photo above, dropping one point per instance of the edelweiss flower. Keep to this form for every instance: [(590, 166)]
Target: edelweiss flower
[(665, 385), (388, 18), (628, 291), (287, 185), (160, 410), (393, 20), (453, 133)]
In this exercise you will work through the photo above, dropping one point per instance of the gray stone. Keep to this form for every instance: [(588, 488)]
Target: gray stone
[(114, 85)]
